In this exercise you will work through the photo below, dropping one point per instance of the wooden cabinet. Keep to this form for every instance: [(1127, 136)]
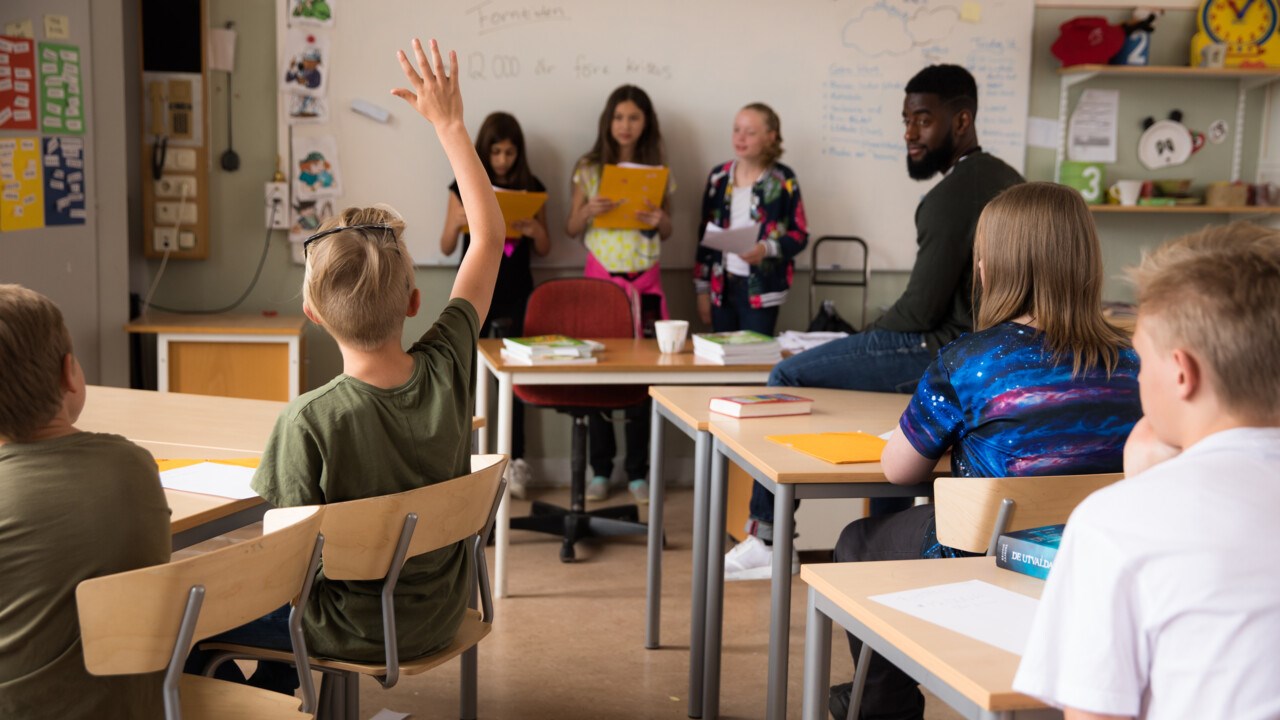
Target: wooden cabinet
[(242, 356)]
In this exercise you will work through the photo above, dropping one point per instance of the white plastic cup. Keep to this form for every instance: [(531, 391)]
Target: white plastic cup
[(1126, 192), (671, 335)]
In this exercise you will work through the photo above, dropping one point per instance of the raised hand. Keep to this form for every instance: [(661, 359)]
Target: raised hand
[(434, 94)]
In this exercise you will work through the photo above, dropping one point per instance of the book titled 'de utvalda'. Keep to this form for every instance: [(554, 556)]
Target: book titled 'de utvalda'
[(748, 406), (1030, 552)]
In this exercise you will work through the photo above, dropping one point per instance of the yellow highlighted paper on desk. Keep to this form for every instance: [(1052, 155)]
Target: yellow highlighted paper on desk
[(835, 447), (634, 187)]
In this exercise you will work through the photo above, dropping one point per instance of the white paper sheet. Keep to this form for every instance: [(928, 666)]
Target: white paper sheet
[(736, 240), (1091, 133), (974, 608), (1043, 132), (206, 478)]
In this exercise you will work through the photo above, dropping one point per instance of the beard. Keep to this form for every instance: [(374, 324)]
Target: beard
[(933, 162)]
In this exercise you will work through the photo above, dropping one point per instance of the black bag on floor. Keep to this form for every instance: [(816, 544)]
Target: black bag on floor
[(828, 320)]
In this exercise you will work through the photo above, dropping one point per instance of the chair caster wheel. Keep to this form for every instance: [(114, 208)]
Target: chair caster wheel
[(566, 553)]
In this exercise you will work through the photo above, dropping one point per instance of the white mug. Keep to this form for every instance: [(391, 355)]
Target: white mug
[(1125, 192), (671, 335)]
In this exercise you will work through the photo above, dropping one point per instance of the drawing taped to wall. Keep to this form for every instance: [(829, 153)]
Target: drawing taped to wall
[(311, 12), (316, 172), (305, 67)]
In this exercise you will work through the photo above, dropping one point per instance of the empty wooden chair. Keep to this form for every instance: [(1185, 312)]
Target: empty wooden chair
[(147, 620)]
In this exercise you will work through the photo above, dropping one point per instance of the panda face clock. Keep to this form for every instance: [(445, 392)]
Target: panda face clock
[(1248, 29)]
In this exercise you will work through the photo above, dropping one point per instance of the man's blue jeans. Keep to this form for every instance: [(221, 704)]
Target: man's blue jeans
[(872, 361)]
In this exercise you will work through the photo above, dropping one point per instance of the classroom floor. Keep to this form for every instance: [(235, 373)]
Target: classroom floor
[(568, 642)]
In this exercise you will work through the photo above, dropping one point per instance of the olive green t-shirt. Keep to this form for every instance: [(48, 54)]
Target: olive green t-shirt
[(72, 508), (350, 440)]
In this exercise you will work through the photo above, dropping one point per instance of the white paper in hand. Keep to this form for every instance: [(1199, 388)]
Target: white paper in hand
[(206, 478), (737, 240)]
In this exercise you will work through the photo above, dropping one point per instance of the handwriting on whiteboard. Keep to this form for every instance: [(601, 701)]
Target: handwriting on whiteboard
[(491, 17)]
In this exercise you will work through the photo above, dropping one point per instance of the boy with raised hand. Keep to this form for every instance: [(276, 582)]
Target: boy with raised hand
[(73, 505), (393, 420), (1164, 601)]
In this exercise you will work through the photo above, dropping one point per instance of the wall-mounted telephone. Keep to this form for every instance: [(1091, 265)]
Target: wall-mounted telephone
[(175, 194)]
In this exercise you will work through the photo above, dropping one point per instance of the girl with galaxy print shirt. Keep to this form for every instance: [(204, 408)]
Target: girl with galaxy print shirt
[(1043, 386)]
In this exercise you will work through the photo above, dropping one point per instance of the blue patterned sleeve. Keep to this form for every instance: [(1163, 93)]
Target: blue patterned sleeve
[(933, 418)]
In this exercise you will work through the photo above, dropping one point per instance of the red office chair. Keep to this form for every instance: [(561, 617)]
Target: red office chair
[(581, 308)]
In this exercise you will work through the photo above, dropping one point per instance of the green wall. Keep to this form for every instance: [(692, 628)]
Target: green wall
[(238, 234)]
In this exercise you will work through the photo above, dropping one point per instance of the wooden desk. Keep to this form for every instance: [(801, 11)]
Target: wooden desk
[(173, 425), (622, 362), (242, 356), (790, 475), (974, 678)]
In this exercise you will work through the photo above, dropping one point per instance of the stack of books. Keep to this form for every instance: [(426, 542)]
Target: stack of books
[(549, 350), (740, 347), (749, 406)]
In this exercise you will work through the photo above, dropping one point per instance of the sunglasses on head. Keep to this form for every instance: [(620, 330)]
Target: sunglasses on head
[(306, 244)]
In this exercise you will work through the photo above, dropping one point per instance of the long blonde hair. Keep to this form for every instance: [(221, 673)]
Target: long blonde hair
[(1039, 252), (358, 282)]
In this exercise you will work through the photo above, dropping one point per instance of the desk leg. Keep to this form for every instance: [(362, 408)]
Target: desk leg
[(698, 605), (817, 660), (780, 605), (482, 405), (657, 490), (505, 400), (715, 583)]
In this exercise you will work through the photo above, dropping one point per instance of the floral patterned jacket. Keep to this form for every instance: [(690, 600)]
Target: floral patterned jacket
[(776, 205)]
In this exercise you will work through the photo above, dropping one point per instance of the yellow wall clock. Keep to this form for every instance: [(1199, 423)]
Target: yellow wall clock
[(1246, 27)]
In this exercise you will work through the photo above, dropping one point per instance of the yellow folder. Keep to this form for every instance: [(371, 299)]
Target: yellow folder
[(835, 447), (174, 464), (518, 205), (633, 186)]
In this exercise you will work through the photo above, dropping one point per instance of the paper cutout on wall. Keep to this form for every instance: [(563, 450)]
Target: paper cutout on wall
[(57, 27), (311, 12), (20, 28), (306, 109), (305, 217), (17, 83), (21, 188), (306, 57), (316, 172), (64, 186), (61, 107)]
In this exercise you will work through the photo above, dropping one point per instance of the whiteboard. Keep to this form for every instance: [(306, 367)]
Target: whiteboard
[(834, 71)]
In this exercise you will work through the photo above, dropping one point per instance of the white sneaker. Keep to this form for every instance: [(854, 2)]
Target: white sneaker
[(751, 559), (518, 476)]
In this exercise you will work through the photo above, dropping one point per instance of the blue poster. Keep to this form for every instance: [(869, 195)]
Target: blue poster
[(63, 180)]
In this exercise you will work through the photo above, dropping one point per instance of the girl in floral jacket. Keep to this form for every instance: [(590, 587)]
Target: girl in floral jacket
[(744, 292)]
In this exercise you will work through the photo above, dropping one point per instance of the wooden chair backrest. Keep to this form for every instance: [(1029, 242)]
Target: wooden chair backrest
[(966, 508), (129, 621), (360, 536)]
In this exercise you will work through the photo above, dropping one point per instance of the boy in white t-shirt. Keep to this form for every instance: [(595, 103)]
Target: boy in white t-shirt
[(1164, 601)]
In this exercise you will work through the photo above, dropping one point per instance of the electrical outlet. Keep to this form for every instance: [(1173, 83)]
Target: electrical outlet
[(176, 186), (180, 159), (167, 213), (165, 239), (277, 205), (187, 240)]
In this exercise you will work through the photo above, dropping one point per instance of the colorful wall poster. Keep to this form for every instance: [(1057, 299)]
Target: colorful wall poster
[(316, 172), (17, 83), (305, 217), (306, 109), (306, 66), (21, 191), (311, 12), (63, 180), (61, 110)]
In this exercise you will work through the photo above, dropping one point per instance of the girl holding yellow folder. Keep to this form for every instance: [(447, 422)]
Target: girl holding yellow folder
[(628, 132), (500, 145)]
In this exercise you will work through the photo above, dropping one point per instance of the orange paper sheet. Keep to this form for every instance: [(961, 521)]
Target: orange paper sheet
[(633, 186), (173, 464), (835, 447), (518, 205)]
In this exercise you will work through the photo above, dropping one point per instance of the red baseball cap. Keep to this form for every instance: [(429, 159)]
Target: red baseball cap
[(1087, 40)]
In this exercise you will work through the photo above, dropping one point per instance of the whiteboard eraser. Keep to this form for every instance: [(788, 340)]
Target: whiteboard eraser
[(369, 110)]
